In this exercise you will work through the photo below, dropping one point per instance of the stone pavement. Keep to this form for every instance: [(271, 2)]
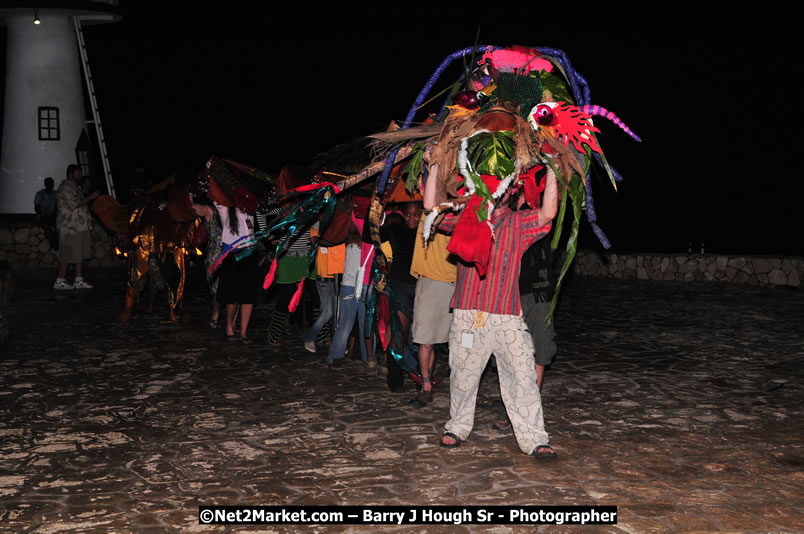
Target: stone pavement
[(680, 403)]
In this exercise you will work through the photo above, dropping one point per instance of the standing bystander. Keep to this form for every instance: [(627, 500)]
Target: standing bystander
[(45, 205), (74, 229)]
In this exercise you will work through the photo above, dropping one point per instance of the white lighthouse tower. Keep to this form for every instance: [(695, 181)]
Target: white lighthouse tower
[(44, 113)]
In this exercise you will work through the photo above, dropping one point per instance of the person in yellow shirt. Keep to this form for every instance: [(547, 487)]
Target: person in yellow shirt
[(435, 270)]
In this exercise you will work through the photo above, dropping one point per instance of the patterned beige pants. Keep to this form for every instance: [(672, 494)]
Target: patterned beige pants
[(472, 340)]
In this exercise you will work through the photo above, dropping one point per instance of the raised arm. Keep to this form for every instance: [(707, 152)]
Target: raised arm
[(430, 188), (549, 207), (88, 199)]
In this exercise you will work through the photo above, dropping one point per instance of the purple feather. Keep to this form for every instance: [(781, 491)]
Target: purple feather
[(603, 112)]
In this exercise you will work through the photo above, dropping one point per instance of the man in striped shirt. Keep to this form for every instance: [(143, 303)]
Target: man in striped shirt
[(487, 318)]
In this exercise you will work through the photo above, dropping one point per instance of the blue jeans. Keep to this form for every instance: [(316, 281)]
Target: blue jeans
[(326, 293), (346, 320)]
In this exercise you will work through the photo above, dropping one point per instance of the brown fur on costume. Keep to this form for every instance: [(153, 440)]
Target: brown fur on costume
[(566, 162), (503, 117), (416, 132)]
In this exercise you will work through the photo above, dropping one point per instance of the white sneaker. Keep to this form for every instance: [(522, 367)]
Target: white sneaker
[(63, 284), (79, 283), (310, 346)]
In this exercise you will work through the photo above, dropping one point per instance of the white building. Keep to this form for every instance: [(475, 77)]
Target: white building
[(44, 110)]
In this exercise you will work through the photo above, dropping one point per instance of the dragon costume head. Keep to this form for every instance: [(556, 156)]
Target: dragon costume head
[(516, 117)]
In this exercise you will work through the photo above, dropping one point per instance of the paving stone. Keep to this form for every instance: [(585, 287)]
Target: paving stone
[(677, 402)]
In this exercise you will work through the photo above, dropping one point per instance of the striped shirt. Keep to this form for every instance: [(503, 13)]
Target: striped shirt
[(299, 244), (498, 291)]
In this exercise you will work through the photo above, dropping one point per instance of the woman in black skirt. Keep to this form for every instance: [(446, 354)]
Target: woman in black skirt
[(239, 278)]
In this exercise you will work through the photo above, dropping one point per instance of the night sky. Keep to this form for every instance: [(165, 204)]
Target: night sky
[(714, 110)]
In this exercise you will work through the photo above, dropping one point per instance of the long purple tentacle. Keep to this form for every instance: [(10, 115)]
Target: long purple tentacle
[(591, 216), (578, 84), (603, 112), (582, 94), (419, 99)]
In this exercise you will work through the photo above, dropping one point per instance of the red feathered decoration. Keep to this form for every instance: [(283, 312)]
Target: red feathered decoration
[(296, 298), (269, 278)]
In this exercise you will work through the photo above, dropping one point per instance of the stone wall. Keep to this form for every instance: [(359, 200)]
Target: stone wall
[(750, 270), (24, 246)]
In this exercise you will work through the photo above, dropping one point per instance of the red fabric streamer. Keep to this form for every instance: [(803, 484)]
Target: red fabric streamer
[(383, 320), (269, 278), (312, 187), (296, 297), (218, 261), (471, 239)]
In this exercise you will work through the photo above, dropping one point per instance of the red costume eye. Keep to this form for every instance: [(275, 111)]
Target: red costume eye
[(544, 115)]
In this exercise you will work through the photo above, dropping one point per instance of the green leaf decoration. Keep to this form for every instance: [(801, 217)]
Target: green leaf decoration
[(605, 164), (562, 207), (414, 168), (558, 222), (492, 153), (483, 191), (577, 194), (556, 86), (559, 68)]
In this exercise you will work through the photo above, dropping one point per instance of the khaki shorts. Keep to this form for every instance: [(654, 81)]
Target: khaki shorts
[(431, 311), (75, 248), (544, 335)]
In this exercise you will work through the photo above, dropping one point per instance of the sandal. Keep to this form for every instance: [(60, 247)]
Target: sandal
[(422, 399), (544, 452), (233, 337), (246, 340), (213, 323), (427, 396), (452, 445)]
